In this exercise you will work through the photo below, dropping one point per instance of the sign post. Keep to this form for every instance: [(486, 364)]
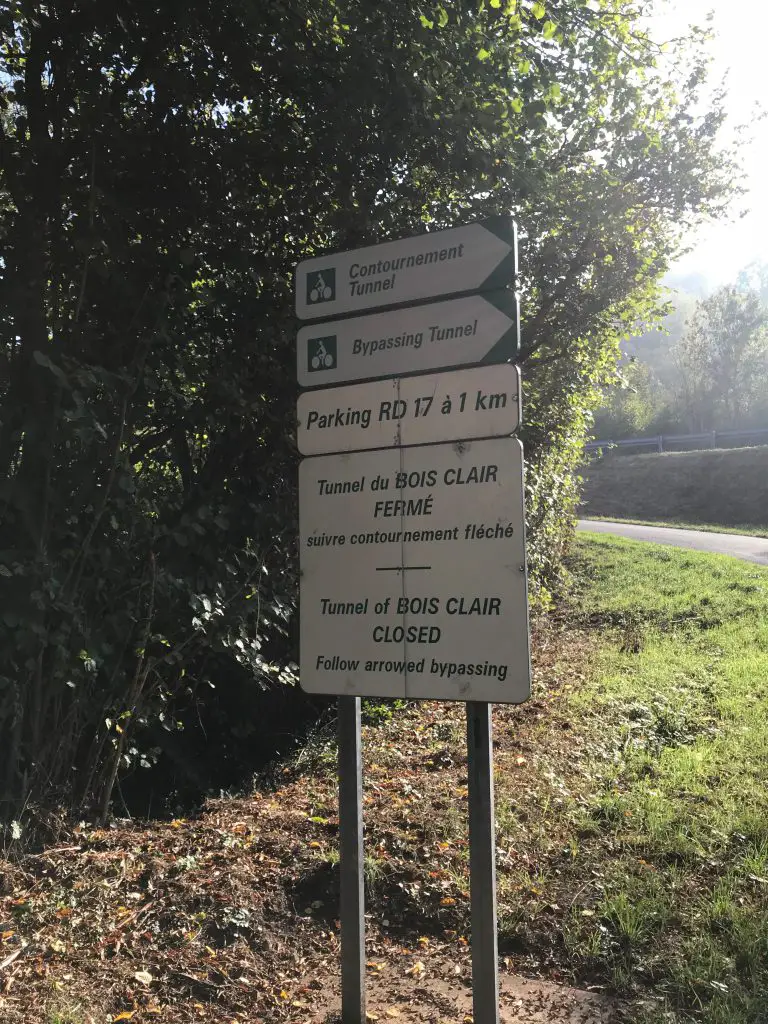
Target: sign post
[(411, 522), (352, 909), (482, 864)]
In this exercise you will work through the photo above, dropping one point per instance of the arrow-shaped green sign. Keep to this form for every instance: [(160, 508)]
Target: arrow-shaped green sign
[(472, 258)]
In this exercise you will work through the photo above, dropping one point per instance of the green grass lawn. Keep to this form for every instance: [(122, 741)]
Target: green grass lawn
[(674, 825), (744, 531)]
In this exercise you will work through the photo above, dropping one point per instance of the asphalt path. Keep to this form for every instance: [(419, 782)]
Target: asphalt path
[(749, 549)]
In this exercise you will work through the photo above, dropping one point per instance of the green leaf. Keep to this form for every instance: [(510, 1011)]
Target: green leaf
[(549, 29), (442, 17), (516, 103), (425, 22), (42, 360), (496, 4), (538, 11), (483, 54)]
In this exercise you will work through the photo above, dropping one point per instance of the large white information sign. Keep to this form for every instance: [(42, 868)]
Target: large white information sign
[(413, 580), (414, 339), (483, 401), (472, 258)]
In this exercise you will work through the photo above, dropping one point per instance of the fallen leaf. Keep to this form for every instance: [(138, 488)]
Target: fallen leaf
[(520, 761), (125, 1015), (447, 901), (143, 977), (418, 968), (392, 1011)]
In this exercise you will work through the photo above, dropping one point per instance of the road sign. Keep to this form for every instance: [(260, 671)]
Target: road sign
[(457, 332), (483, 401), (472, 258), (413, 578)]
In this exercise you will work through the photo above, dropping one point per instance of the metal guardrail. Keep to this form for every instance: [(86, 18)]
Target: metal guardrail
[(689, 442)]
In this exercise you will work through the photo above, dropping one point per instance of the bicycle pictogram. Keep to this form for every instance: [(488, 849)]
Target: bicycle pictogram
[(321, 286), (321, 353)]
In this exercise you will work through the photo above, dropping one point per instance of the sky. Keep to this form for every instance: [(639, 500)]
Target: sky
[(722, 249)]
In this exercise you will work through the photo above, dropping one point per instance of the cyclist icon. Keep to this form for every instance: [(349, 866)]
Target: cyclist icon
[(322, 353), (322, 359), (321, 285), (321, 291)]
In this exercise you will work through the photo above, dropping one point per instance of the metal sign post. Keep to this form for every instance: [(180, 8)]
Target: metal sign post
[(352, 913), (482, 864), (412, 522)]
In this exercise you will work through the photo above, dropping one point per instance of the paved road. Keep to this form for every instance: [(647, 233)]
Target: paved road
[(749, 549)]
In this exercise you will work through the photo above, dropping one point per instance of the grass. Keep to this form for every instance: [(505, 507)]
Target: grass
[(743, 531), (721, 487), (679, 822)]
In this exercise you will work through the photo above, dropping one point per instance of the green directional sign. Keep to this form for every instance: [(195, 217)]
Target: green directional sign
[(411, 339), (472, 258)]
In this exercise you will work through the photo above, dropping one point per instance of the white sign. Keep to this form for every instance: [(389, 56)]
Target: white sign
[(413, 580), (457, 332), (459, 405), (475, 257)]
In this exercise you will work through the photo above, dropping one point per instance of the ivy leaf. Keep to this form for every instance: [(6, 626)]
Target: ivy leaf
[(43, 360)]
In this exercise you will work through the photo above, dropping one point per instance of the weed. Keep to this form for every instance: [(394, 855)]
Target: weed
[(70, 1013), (374, 873), (377, 712)]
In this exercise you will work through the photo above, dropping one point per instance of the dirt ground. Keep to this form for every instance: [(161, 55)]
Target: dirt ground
[(230, 915)]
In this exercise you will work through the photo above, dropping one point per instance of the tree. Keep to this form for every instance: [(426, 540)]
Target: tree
[(163, 167), (723, 359), (754, 278)]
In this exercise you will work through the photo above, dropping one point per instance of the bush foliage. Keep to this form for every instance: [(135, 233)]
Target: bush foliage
[(162, 169)]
